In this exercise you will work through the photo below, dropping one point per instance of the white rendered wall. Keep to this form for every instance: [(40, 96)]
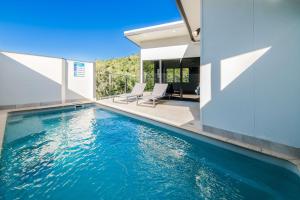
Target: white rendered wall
[(179, 47), (30, 79), (80, 87), (250, 50), (26, 79)]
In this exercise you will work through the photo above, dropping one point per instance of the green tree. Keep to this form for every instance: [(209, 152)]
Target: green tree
[(113, 75), (148, 67)]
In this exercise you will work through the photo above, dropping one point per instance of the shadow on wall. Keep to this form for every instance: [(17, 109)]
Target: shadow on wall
[(227, 92), (250, 93), (230, 70), (192, 50), (252, 56), (24, 84)]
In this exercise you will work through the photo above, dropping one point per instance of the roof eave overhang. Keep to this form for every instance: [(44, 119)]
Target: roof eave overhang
[(186, 20), (151, 29), (133, 41)]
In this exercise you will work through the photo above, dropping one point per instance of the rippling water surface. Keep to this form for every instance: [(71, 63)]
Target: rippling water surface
[(96, 154)]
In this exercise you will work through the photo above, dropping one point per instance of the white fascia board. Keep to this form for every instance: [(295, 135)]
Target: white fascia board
[(154, 28)]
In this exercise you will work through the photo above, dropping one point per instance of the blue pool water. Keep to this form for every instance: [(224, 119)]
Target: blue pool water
[(92, 153)]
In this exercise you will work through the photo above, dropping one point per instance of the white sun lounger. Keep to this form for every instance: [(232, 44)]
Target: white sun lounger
[(136, 92), (158, 92)]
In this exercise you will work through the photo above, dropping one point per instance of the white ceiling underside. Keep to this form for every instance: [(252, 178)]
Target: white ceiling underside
[(163, 31), (192, 9)]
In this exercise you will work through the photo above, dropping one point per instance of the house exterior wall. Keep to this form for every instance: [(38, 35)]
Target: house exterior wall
[(172, 48), (29, 79), (250, 68)]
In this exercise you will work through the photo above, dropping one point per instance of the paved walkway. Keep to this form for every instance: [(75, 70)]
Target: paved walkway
[(186, 115), (182, 114)]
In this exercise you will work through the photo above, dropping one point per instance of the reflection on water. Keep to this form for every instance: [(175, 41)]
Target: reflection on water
[(96, 154)]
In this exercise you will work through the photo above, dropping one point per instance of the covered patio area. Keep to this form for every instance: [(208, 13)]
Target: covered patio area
[(168, 55)]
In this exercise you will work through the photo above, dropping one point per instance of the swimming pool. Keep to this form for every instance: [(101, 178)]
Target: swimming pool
[(93, 153)]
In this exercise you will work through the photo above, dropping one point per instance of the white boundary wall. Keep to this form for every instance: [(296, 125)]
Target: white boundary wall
[(26, 79), (250, 69), (29, 79), (80, 87)]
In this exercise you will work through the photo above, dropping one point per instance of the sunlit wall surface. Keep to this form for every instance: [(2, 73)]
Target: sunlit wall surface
[(252, 48), (30, 79)]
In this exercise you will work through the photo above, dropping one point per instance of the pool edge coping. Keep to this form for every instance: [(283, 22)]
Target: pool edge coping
[(5, 113), (3, 118), (244, 146), (293, 161)]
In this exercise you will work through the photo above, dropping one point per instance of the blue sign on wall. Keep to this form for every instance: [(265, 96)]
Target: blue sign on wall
[(79, 69)]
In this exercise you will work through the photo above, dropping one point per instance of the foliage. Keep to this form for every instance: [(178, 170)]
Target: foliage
[(149, 74), (115, 76)]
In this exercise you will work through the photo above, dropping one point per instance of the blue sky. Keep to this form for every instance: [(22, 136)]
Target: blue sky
[(78, 29)]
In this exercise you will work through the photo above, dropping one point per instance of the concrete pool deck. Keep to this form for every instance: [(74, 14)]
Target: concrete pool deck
[(186, 115), (179, 114), (182, 114)]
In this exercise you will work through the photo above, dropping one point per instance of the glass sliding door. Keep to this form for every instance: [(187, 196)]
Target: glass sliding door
[(171, 74), (150, 73), (185, 75), (190, 68), (181, 75)]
